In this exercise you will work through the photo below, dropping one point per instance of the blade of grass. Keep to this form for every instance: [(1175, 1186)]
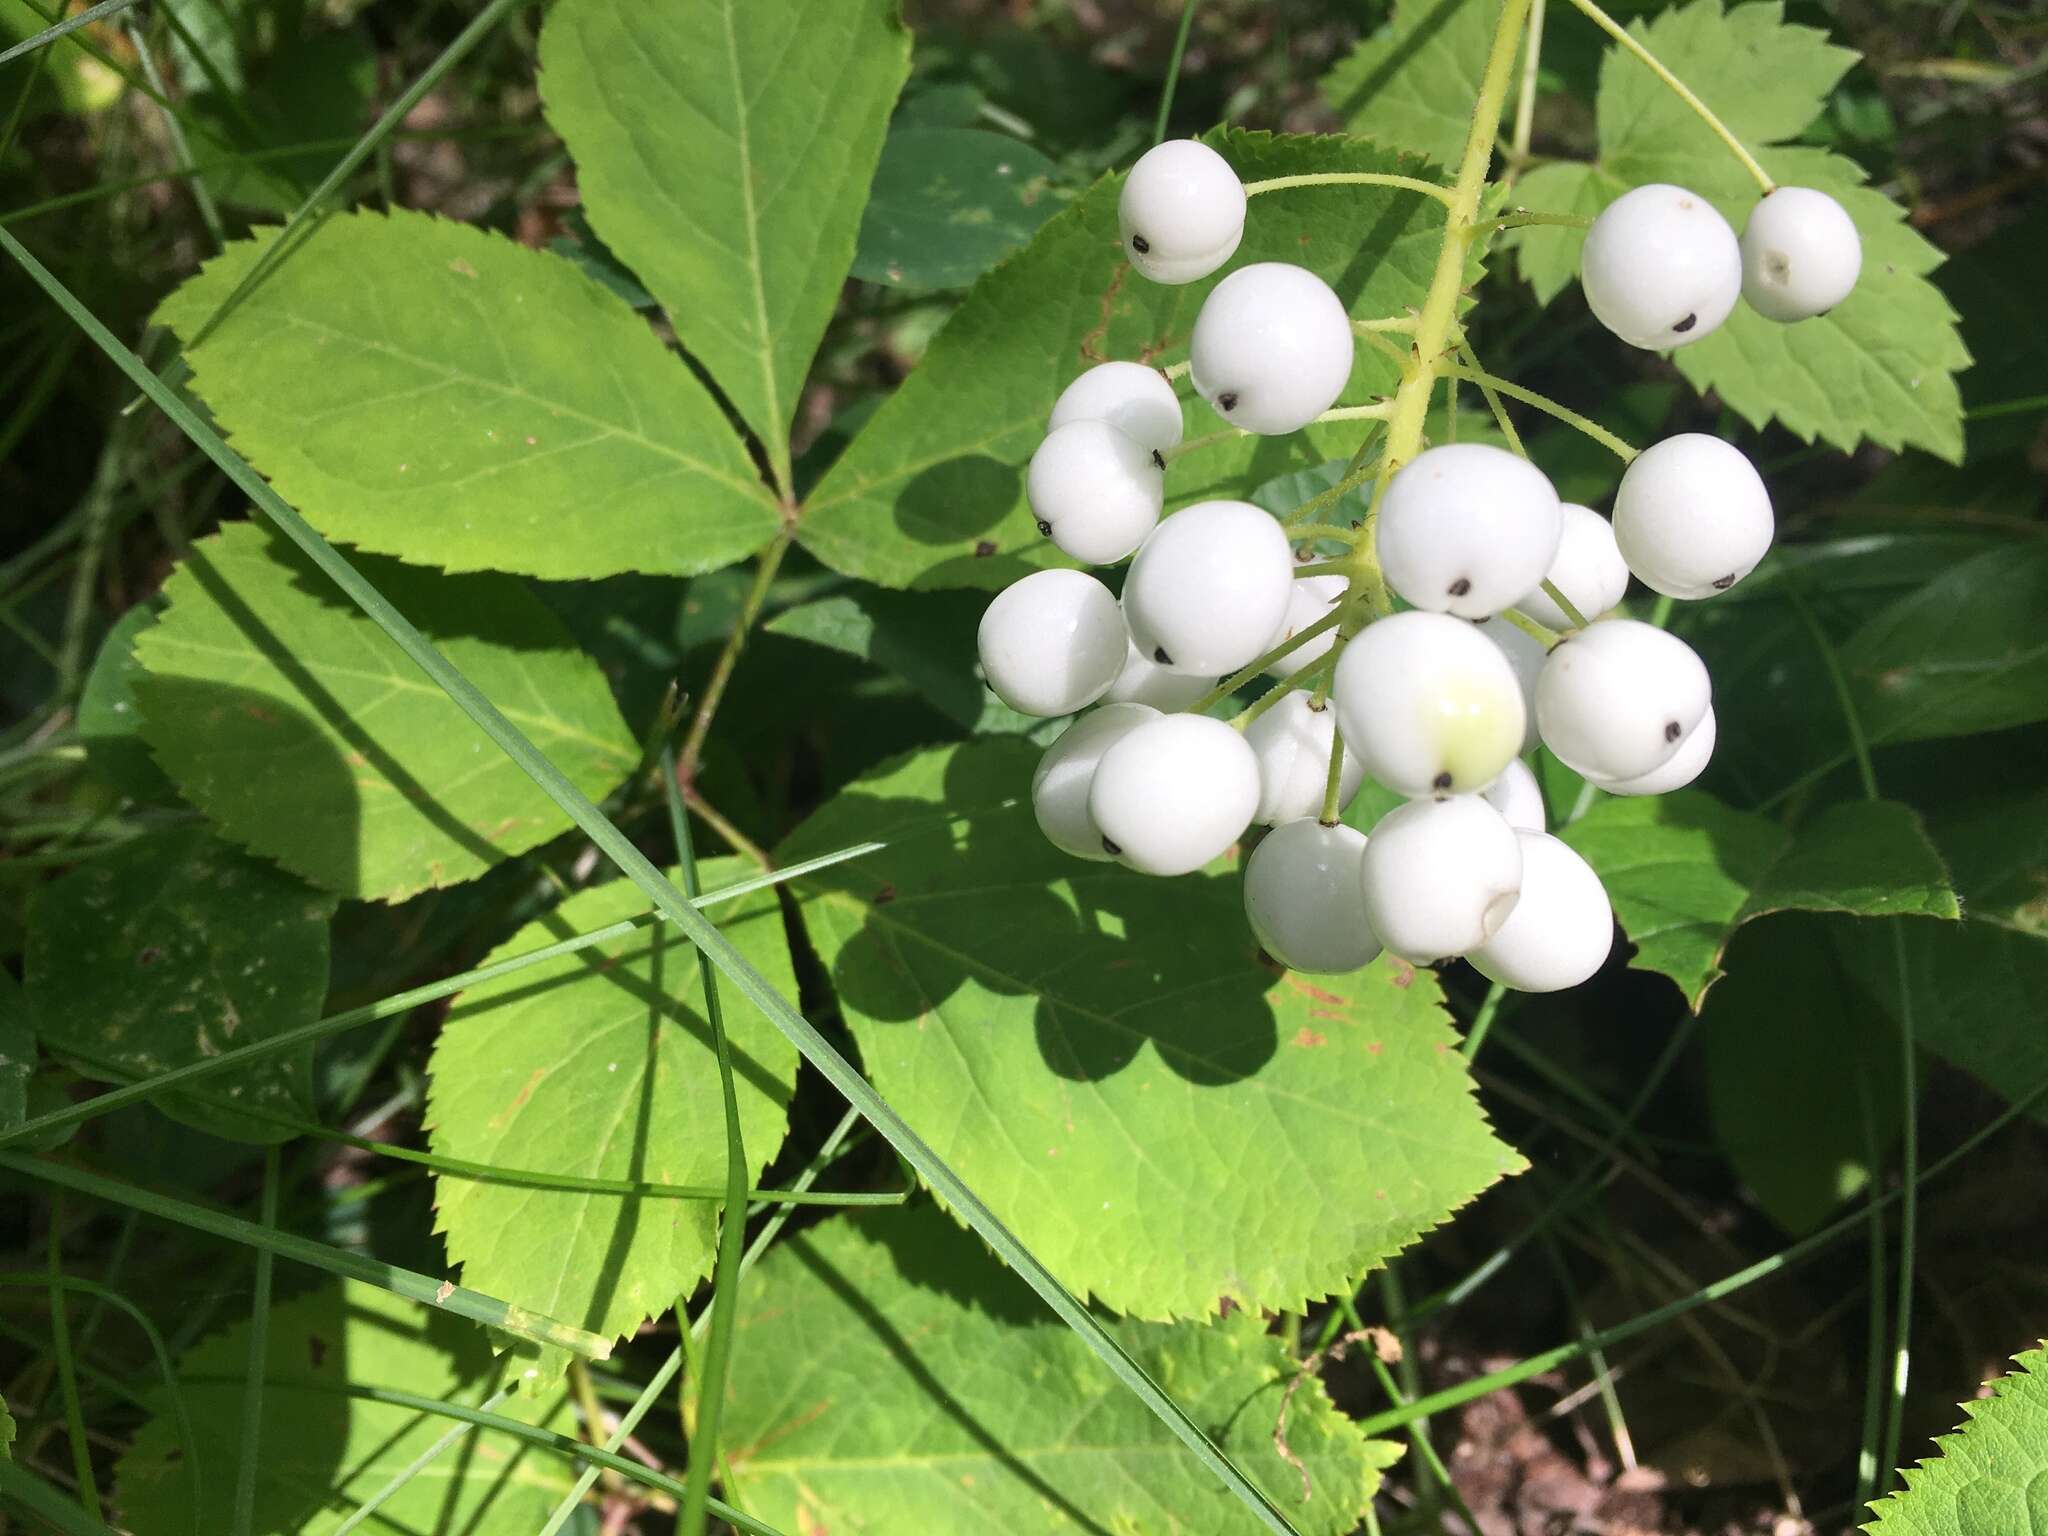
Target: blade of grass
[(180, 1078), (444, 1294), (415, 1467), (67, 1374), (24, 1490), (732, 1229), (635, 865), (49, 35), (202, 196), (259, 1357), (1173, 63)]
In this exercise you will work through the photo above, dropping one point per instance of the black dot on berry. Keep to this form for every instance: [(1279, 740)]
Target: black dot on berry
[(1722, 584), (1441, 781), (1045, 528), (1673, 730), (1686, 324), (1226, 402), (1158, 459), (1111, 848), (1159, 655), (1141, 245), (1461, 586)]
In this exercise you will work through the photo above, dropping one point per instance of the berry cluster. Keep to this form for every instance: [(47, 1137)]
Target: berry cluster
[(1503, 638)]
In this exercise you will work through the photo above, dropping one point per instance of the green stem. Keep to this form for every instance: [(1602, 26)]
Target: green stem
[(1173, 63), (70, 24), (1280, 690), (728, 658), (251, 1436), (1333, 778), (1521, 218), (1491, 394), (1206, 440), (1540, 633), (1306, 531), (1525, 95), (417, 1465), (1352, 179), (67, 1375), (1571, 609), (1548, 406), (1252, 669), (1482, 1021)]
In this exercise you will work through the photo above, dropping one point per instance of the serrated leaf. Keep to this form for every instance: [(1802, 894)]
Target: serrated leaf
[(430, 390), (173, 948), (949, 203), (724, 150), (600, 1066), (1881, 365), (1104, 1060), (1991, 1478), (890, 1375), (1802, 1072), (932, 491), (1684, 871), (110, 721), (305, 734), (323, 1452), (1967, 652), (1411, 84)]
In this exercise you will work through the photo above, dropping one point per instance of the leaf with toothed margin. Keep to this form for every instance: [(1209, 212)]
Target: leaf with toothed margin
[(1411, 84), (932, 491), (890, 1375), (1991, 1478), (1105, 1059)]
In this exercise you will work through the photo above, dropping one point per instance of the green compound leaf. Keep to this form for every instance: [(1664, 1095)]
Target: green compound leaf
[(1410, 85), (323, 1452), (1881, 365), (949, 203), (1685, 871), (1104, 1060), (890, 1375), (426, 389), (724, 151), (306, 735), (173, 948), (1802, 1071), (931, 493), (1991, 1478), (600, 1065)]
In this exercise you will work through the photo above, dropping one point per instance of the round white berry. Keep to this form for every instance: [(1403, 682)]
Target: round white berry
[(1143, 681), (1800, 255), (1518, 797), (1660, 267), (1313, 598), (1618, 698), (1526, 654), (1181, 212), (1292, 743), (1129, 396), (1467, 529), (1271, 349), (1305, 897), (1692, 516), (1440, 877), (1559, 932), (1429, 704), (1588, 569), (1683, 766), (1174, 793), (1052, 643), (1095, 490), (1059, 789), (1209, 587)]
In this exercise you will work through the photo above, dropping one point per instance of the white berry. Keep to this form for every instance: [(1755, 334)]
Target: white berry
[(1800, 255), (1209, 588), (1174, 793), (1467, 529), (1292, 743), (1440, 877), (1313, 598), (1661, 267), (1526, 654), (1095, 490), (1588, 569), (1059, 789), (1683, 766), (1616, 700), (1518, 797), (1559, 932), (1305, 897), (1181, 212), (1143, 681), (1271, 349), (1692, 516), (1129, 396), (1429, 704), (1052, 643)]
